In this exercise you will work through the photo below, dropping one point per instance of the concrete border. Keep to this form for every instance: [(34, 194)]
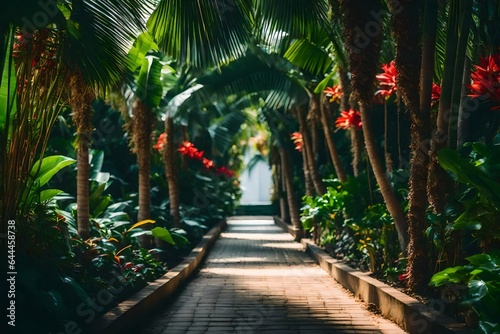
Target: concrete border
[(407, 312), (128, 314), (296, 233)]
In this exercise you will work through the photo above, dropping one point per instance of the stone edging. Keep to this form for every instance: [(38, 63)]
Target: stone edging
[(126, 315), (407, 312), (296, 233)]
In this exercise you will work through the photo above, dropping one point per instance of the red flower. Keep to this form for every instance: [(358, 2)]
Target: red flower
[(162, 140), (297, 140), (224, 171), (402, 277), (128, 265), (387, 80), (486, 80), (208, 163), (334, 93), (187, 148), (436, 94), (348, 118)]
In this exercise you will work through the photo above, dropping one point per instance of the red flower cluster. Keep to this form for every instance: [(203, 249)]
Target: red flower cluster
[(188, 149), (486, 80), (160, 143), (334, 93), (436, 94), (297, 140), (387, 80), (224, 171), (37, 46), (348, 118)]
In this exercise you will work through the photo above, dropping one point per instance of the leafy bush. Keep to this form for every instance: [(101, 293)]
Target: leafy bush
[(352, 227), (481, 276)]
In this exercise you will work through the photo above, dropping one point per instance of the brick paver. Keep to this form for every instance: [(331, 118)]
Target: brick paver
[(257, 279)]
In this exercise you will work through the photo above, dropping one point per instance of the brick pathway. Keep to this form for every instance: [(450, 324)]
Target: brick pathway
[(257, 279)]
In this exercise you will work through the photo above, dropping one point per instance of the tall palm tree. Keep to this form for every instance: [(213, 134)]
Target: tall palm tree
[(363, 57), (326, 122), (408, 63), (99, 35), (200, 34), (457, 36), (147, 94), (307, 142)]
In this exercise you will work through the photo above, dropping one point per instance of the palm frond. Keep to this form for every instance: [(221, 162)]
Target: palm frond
[(297, 19), (100, 34), (202, 32), (258, 73), (309, 56), (226, 128)]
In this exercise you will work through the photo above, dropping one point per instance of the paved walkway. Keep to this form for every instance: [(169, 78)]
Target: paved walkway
[(257, 279)]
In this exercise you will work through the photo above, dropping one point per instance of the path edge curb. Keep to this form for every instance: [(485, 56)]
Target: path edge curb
[(129, 313), (296, 233), (410, 314)]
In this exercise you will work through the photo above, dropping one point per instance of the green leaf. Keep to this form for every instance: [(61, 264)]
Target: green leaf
[(477, 290), (96, 162), (142, 45), (163, 234), (193, 223), (467, 173), (8, 90), (43, 171), (48, 194), (149, 88), (482, 260), (449, 275), (102, 204), (309, 56), (324, 83)]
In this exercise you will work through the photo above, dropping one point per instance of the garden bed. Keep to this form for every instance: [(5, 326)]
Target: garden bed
[(410, 314), (128, 314)]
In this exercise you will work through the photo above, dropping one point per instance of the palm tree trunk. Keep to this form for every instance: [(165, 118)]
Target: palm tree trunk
[(356, 148), (280, 184), (388, 194), (319, 186), (464, 31), (290, 194), (171, 172), (463, 124), (143, 123), (307, 174), (345, 86), (363, 53), (334, 154), (81, 104), (438, 183), (408, 64)]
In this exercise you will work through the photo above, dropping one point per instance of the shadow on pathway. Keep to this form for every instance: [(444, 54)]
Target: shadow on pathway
[(257, 279)]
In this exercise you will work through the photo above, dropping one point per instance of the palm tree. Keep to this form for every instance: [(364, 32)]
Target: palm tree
[(457, 36), (363, 62), (147, 94), (307, 144), (200, 34), (406, 29), (95, 54)]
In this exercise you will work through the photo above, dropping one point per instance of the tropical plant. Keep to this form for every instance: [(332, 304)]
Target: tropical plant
[(475, 287), (99, 69), (363, 67)]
